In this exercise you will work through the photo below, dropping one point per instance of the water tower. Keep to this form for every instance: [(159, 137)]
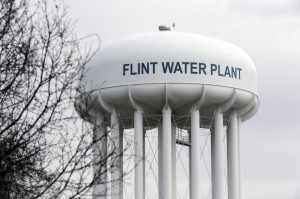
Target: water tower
[(166, 75)]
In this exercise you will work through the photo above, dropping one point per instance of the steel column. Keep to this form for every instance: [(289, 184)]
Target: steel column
[(190, 165), (218, 177), (117, 158), (160, 162), (239, 124), (232, 158), (167, 153), (139, 147), (99, 158), (174, 191), (195, 155)]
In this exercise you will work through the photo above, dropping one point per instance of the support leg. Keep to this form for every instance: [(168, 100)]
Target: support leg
[(218, 177), (139, 162), (99, 158), (240, 158), (194, 155), (174, 191), (233, 159), (167, 153), (117, 158), (160, 162)]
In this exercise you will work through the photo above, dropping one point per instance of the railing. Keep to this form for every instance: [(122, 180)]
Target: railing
[(183, 137)]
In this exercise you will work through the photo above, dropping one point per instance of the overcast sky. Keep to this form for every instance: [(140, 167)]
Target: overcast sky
[(269, 31)]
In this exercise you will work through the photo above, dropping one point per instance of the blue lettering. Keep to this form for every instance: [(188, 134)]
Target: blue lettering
[(202, 67), (182, 68), (193, 68), (145, 68), (185, 66), (139, 67), (131, 71), (177, 68), (167, 67), (125, 68), (227, 71), (153, 66), (219, 71), (239, 69), (233, 72), (213, 68)]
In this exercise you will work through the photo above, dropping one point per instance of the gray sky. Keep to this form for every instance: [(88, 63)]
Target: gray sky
[(269, 31)]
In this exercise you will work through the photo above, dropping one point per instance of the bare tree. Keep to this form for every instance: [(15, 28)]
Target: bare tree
[(45, 149)]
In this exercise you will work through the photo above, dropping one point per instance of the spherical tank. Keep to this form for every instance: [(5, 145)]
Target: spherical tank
[(181, 70)]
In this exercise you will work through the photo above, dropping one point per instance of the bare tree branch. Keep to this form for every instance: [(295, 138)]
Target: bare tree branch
[(46, 149)]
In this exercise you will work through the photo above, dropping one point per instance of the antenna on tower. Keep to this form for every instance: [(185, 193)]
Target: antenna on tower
[(163, 28)]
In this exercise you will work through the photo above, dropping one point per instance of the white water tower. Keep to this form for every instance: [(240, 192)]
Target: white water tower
[(166, 75)]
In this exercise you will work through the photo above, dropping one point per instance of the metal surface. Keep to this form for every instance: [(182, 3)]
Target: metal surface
[(167, 153), (99, 153), (170, 76), (217, 155), (139, 148), (195, 155), (117, 157), (232, 158)]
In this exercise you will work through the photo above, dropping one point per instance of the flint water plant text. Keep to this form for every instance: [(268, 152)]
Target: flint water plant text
[(145, 68)]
